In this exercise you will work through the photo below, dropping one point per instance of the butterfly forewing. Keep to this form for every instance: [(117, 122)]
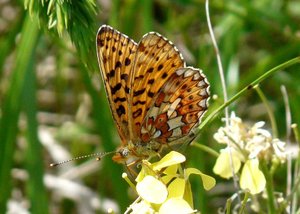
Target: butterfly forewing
[(156, 60), (177, 108), (116, 53)]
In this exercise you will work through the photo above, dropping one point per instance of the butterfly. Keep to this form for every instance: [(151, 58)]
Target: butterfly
[(155, 99)]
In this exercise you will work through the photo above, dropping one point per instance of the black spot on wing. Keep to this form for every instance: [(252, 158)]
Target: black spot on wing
[(150, 81), (127, 61), (127, 90), (160, 67), (100, 42), (118, 64), (150, 94), (139, 77), (121, 110), (164, 75), (150, 70), (137, 113), (111, 73), (119, 99), (139, 92), (115, 88), (139, 102), (124, 77)]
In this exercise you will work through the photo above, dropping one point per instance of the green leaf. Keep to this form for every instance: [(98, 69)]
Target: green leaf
[(12, 105)]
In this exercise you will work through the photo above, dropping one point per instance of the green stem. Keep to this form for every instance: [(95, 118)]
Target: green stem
[(282, 66), (244, 202), (228, 206), (295, 194), (269, 187), (296, 133), (289, 198), (269, 110), (205, 148)]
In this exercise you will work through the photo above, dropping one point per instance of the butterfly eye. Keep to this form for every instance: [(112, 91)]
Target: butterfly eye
[(124, 152)]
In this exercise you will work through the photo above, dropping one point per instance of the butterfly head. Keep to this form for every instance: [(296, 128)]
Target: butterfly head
[(121, 155), (134, 152)]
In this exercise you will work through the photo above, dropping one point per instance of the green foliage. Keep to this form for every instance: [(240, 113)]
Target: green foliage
[(76, 17), (10, 114)]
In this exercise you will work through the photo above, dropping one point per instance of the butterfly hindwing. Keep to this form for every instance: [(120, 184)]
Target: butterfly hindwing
[(178, 107)]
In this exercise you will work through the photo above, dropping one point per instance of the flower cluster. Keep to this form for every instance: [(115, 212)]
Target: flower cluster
[(247, 145), (164, 187)]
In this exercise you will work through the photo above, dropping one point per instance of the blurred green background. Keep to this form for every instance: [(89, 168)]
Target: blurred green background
[(53, 106)]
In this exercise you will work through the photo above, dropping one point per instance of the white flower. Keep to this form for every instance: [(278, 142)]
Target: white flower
[(257, 144), (251, 141), (246, 146), (279, 149)]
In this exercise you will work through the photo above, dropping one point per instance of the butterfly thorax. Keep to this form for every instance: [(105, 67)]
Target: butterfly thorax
[(136, 151)]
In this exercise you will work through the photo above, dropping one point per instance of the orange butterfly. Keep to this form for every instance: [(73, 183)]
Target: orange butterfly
[(156, 101)]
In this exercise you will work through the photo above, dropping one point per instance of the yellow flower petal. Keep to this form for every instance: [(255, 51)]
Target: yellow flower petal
[(146, 170), (170, 159), (175, 206), (176, 188), (208, 181), (171, 170), (188, 194), (252, 178), (167, 178), (141, 175), (223, 166), (152, 190)]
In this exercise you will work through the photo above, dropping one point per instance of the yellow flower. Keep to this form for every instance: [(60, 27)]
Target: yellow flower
[(164, 187), (152, 190), (224, 164), (252, 179), (175, 205)]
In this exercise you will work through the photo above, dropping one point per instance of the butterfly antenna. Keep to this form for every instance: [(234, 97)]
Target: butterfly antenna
[(99, 156)]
